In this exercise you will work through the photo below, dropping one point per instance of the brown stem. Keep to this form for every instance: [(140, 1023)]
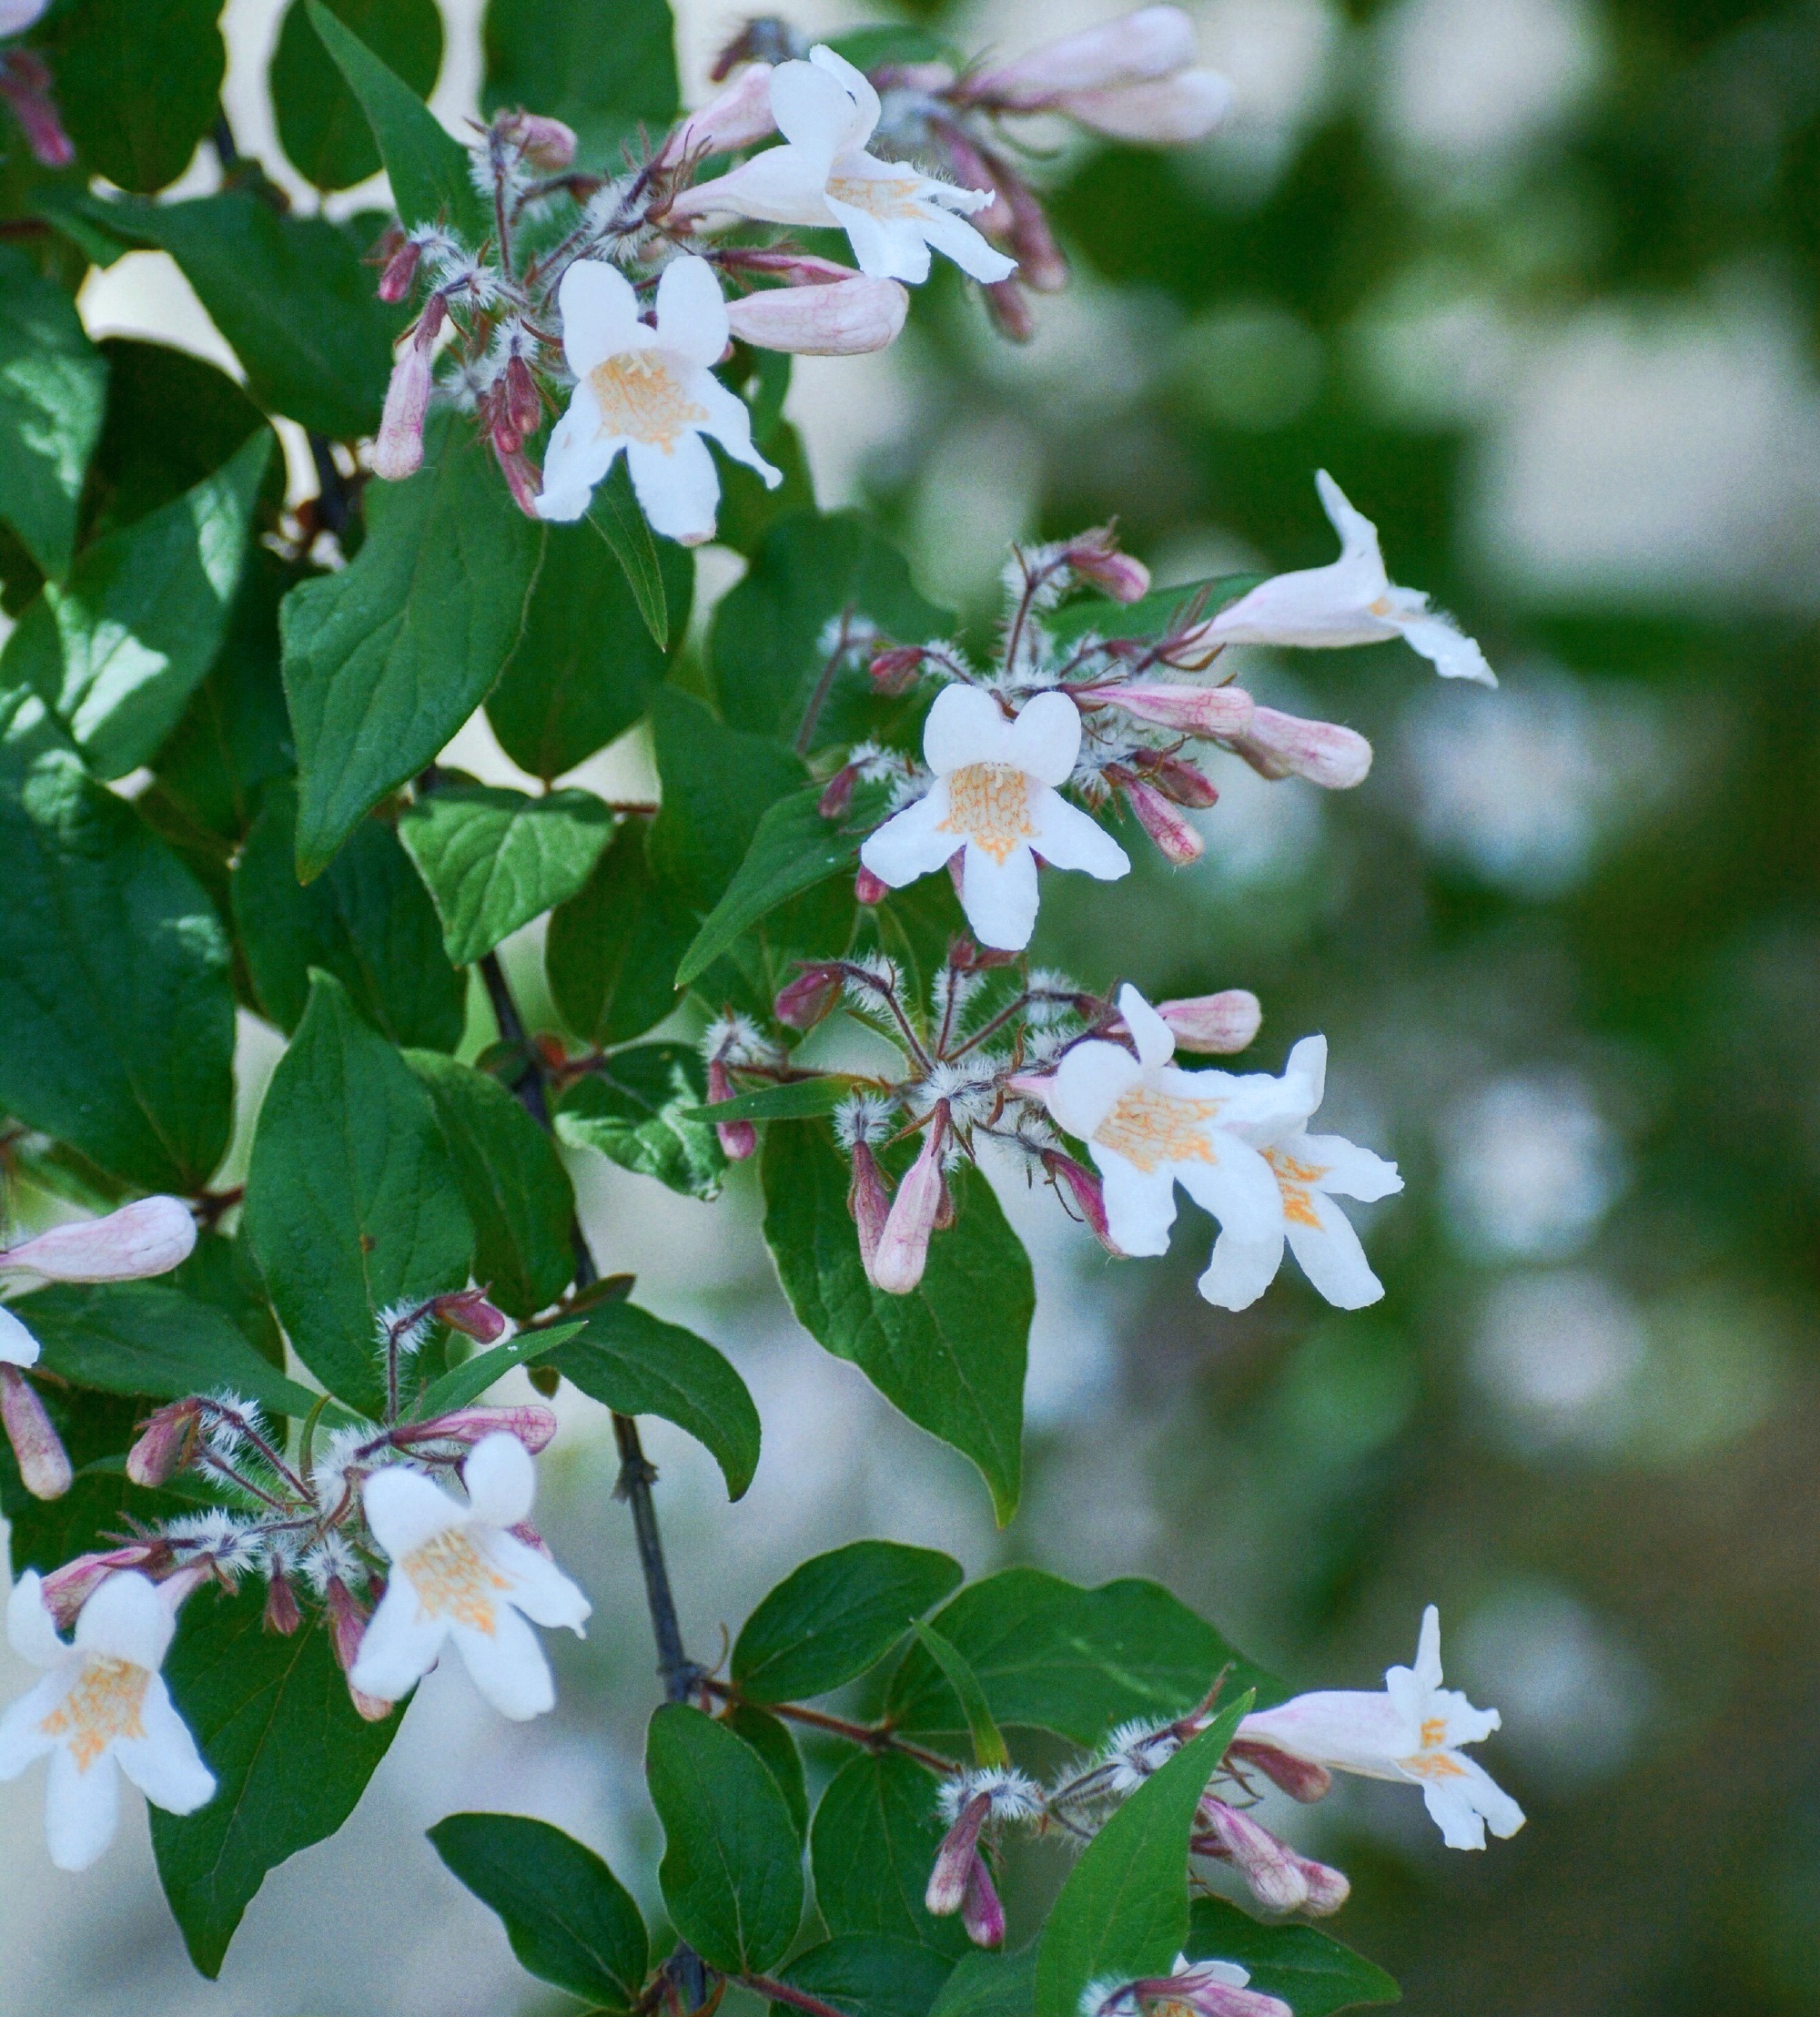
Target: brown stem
[(782, 1993), (812, 714), (874, 1737)]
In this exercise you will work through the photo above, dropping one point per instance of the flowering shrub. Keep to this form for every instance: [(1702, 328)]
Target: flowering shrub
[(252, 1457)]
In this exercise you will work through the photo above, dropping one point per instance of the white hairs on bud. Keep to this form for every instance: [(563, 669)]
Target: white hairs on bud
[(1015, 1796), (865, 1117), (402, 1327), (329, 1560)]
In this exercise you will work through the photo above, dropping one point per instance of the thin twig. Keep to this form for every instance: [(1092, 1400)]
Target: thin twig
[(812, 714), (874, 1737), (782, 1993)]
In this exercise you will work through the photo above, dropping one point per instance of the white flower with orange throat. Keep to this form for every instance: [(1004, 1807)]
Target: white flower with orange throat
[(650, 392), (102, 1708), (460, 1572), (994, 803)]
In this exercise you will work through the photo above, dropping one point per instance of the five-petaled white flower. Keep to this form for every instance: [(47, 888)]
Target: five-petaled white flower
[(648, 392), (1311, 1171), (101, 1709), (995, 797), (458, 1573), (1412, 1731), (1350, 601), (891, 211)]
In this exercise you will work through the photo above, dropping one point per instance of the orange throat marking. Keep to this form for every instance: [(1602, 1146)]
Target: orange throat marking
[(640, 399), (103, 1706), (1150, 1128), (1434, 1760), (881, 196), (990, 803), (1293, 1179), (452, 1580)]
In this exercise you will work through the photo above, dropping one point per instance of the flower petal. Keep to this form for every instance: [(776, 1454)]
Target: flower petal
[(507, 1664), (679, 489), (22, 1727), (127, 1619), (1454, 655), (729, 421), (17, 1345), (1000, 896), (1357, 535), (1140, 1204), (82, 1808), (882, 249), (815, 112), (1045, 737), (912, 843), (579, 455), (1345, 1168), (30, 1630), (1348, 1730), (1461, 1804), (502, 1480), (691, 311), (965, 726), (858, 88), (1067, 837), (974, 254), (785, 185), (1155, 1040), (1240, 1270), (539, 1588), (165, 1763), (400, 1645), (1088, 1083), (404, 1509), (1238, 1187), (600, 315), (1331, 1256)]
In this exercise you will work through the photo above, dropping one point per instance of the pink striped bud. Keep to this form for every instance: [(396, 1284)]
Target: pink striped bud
[(904, 1244), (838, 318), (1179, 780), (1203, 711), (468, 1312), (1277, 1875), (739, 1139), (165, 1444), (25, 84), (1172, 112), (807, 998), (521, 479), (400, 271), (523, 403), (837, 794), (895, 671), (398, 452), (1095, 556), (1010, 311), (737, 117), (1299, 1778), (150, 1237), (1180, 841), (947, 1888), (869, 1202), (65, 1590), (1154, 41), (869, 890), (545, 142), (282, 1615), (1087, 1192), (1214, 1025), (533, 1426), (1284, 745), (792, 268), (982, 1915), (43, 1462), (347, 1628)]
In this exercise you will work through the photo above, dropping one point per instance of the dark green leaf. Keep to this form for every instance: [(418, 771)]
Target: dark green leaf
[(1152, 616), (835, 1617), (221, 1272), (1052, 1656), (290, 1754), (633, 1107), (1123, 1913), (1314, 1974), (517, 1191), (569, 1920), (470, 1379), (138, 83), (717, 786), (586, 663), (800, 1100), (868, 48), (617, 516), (367, 919), (988, 1746), (118, 649), (868, 1975), (637, 1364), (989, 1985), (116, 1020), (611, 953), (385, 661), (53, 385), (770, 1737), (494, 859), (322, 127), (769, 647), (873, 1846), (552, 55), (950, 1355), (733, 1861), (352, 1199), (748, 509)]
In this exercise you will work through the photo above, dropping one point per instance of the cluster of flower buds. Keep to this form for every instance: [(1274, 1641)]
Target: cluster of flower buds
[(25, 83)]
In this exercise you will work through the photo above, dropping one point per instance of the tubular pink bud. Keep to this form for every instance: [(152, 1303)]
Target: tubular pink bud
[(1154, 41), (400, 272), (1096, 557), (1084, 1189), (837, 796), (1277, 1875), (165, 1444), (1214, 1025), (65, 1590), (794, 268), (523, 403), (25, 84), (1040, 264), (838, 318), (346, 1628), (1172, 112), (399, 450), (1299, 1778), (282, 1616), (1204, 711), (869, 1202), (895, 671), (904, 1244), (808, 997), (947, 1889), (545, 142), (982, 1915), (736, 118), (869, 890), (1180, 780), (521, 479), (1010, 313), (1178, 841), (468, 1312), (1284, 745), (43, 1462), (150, 1237), (739, 1139), (535, 1427)]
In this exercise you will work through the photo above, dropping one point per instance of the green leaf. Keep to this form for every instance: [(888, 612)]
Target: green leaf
[(988, 1746), (494, 859), (768, 645), (800, 1100), (1052, 1656), (633, 1107), (770, 1737), (717, 786), (610, 952), (732, 1861), (385, 661), (569, 1920), (120, 648), (793, 850), (517, 1191), (290, 1754), (951, 1355), (470, 1379), (367, 919), (635, 1364), (53, 387), (222, 1273), (427, 168), (44, 1534), (868, 1975), (1313, 1973), (1151, 616), (835, 1617), (352, 1201), (586, 663), (139, 84), (291, 296), (873, 1846), (116, 1019), (552, 55), (989, 1985), (1123, 1913), (617, 516), (322, 127), (140, 1337)]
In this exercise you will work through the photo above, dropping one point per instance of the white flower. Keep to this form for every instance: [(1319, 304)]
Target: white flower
[(1351, 602), (1150, 1125), (18, 15), (149, 1237), (1413, 1732), (17, 1345), (458, 1573), (1311, 1171), (994, 795), (651, 392), (102, 1704), (890, 211), (1203, 1988)]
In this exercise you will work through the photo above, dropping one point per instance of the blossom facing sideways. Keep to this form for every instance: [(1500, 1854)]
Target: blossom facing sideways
[(1412, 1731), (994, 800), (1206, 1988), (1351, 601), (460, 1572), (650, 392), (102, 1708)]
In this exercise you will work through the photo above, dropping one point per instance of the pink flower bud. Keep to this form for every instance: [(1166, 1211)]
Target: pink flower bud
[(837, 796), (808, 997), (1154, 41), (947, 1888), (1009, 310), (521, 479), (468, 1312), (1173, 112), (1180, 780), (400, 271), (1096, 557), (282, 1615), (151, 1237), (903, 1245), (739, 1139), (895, 671), (1213, 1024), (545, 142), (869, 1202), (982, 1915), (535, 1427), (1277, 1875), (1040, 263), (1084, 1189), (346, 1628), (740, 115), (1299, 1778), (1180, 841), (1284, 745), (399, 450), (165, 1444), (1204, 711), (840, 318), (869, 890), (25, 84), (43, 1462), (522, 401), (65, 1590), (792, 268)]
